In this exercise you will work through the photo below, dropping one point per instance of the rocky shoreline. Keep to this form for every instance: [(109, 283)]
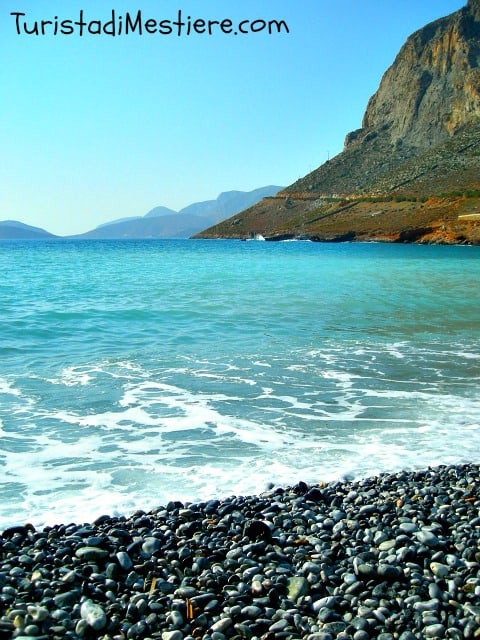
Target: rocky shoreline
[(391, 557), (449, 220)]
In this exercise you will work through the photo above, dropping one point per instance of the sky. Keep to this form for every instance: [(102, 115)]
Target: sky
[(95, 127)]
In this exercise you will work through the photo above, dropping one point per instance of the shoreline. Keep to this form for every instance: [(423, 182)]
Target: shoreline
[(392, 556)]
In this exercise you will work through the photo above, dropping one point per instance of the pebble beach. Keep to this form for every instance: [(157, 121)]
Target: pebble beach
[(395, 556)]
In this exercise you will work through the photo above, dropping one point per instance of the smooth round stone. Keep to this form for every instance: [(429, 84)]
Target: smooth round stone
[(124, 560), (327, 615), (408, 527), (91, 554), (379, 537), (472, 609), (360, 624), (427, 605), (172, 635), (67, 599), (176, 618), (452, 560), (257, 588), (429, 539), (434, 631), (94, 615), (235, 611), (165, 587), (328, 602), (297, 587), (389, 572), (434, 591), (440, 570), (70, 577), (355, 588), (221, 625), (251, 611), (132, 579), (30, 637), (81, 628), (278, 626), (361, 635), (60, 615), (38, 613), (334, 627), (364, 612), (243, 630), (137, 630), (387, 545), (151, 545), (311, 567), (31, 630), (365, 570)]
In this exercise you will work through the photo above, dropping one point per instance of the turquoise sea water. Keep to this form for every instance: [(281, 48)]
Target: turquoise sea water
[(132, 373)]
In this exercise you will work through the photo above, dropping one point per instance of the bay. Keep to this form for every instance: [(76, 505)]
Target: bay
[(135, 372)]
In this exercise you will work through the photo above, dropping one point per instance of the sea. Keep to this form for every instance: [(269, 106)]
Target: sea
[(134, 373)]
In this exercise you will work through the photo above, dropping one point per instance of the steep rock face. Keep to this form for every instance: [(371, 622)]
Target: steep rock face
[(412, 172), (433, 87)]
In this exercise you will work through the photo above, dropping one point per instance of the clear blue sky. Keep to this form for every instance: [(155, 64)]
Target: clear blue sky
[(96, 127)]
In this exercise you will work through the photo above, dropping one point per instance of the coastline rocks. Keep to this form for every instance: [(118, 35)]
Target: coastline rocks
[(395, 557)]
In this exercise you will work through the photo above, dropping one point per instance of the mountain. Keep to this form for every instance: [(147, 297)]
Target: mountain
[(229, 203), (412, 171), (153, 213), (159, 211), (13, 230), (119, 221), (162, 222), (166, 226)]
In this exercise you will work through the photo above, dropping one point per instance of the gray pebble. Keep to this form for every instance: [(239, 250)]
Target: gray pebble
[(349, 562), (426, 537), (221, 625), (124, 560), (172, 635), (94, 615), (89, 554)]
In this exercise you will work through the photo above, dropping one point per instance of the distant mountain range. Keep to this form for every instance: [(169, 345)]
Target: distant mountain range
[(160, 222), (14, 230)]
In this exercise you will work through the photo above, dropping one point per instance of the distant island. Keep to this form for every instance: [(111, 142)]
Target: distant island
[(411, 173), (160, 222)]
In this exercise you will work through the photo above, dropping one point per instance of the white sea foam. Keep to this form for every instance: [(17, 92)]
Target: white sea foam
[(7, 388), (134, 455)]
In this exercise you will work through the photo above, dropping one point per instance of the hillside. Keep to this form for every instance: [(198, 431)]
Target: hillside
[(414, 166), (14, 230)]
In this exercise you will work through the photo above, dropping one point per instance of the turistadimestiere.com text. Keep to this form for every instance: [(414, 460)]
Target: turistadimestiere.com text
[(124, 24)]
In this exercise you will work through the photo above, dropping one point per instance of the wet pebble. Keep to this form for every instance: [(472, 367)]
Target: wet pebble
[(395, 557)]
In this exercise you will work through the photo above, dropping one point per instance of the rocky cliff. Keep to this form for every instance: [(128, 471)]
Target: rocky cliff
[(432, 89), (420, 138)]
